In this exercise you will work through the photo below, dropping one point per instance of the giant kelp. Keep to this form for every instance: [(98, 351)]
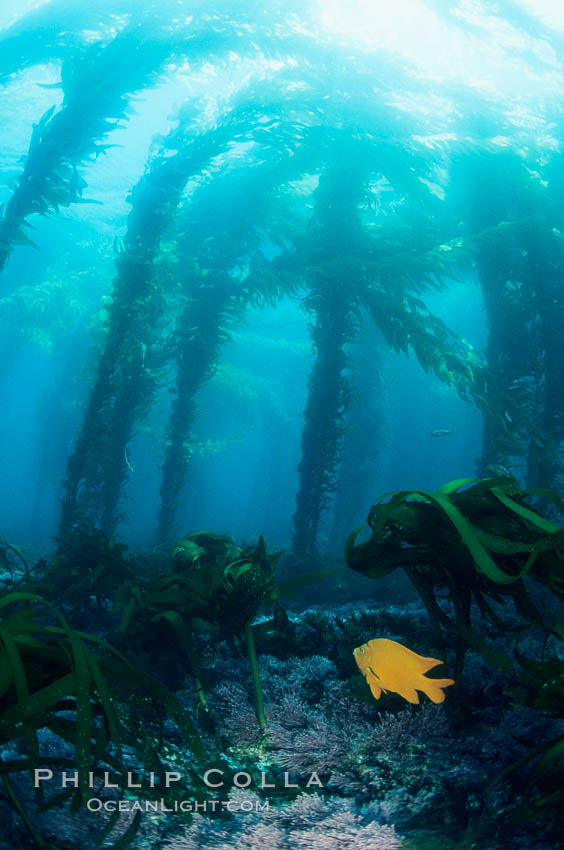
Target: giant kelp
[(122, 361), (478, 541), (355, 197), (48, 667), (485, 545), (365, 432), (53, 31), (125, 381), (328, 391), (86, 571), (352, 262), (406, 249), (350, 269), (132, 340), (512, 214), (543, 298), (495, 190), (200, 333), (135, 349), (213, 243), (96, 85), (213, 583), (98, 80)]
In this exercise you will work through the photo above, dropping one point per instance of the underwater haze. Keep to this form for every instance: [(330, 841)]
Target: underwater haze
[(329, 125), (244, 90), (282, 312)]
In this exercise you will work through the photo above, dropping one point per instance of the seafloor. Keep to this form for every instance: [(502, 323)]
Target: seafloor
[(394, 775)]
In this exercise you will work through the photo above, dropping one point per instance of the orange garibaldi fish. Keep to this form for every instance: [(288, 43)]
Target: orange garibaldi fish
[(389, 666)]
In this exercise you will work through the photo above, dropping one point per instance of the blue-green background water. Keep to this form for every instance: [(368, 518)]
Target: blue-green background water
[(444, 77)]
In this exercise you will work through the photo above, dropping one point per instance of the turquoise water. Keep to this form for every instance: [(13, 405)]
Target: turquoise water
[(261, 264)]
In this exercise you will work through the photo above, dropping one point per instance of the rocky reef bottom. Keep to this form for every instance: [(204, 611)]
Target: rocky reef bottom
[(340, 769)]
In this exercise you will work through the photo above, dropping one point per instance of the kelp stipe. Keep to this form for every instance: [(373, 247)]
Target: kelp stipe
[(365, 434), (355, 275), (212, 239), (133, 350), (136, 348), (514, 214), (123, 384), (199, 335), (333, 287)]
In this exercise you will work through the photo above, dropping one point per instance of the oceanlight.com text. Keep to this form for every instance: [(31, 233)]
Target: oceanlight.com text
[(95, 804)]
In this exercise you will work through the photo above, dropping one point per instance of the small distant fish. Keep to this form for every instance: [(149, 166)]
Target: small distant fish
[(498, 469), (441, 432)]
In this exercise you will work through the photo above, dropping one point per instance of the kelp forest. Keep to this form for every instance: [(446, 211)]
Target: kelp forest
[(282, 429)]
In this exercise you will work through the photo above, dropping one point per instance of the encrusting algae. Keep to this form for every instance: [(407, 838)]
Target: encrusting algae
[(389, 666)]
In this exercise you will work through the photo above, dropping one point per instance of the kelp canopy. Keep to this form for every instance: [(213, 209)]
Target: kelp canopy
[(221, 222)]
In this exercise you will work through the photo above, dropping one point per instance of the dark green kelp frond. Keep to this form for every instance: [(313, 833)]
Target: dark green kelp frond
[(477, 540), (213, 580), (44, 665), (85, 573), (47, 667)]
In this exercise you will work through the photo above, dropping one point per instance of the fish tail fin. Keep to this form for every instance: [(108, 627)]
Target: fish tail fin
[(435, 690)]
